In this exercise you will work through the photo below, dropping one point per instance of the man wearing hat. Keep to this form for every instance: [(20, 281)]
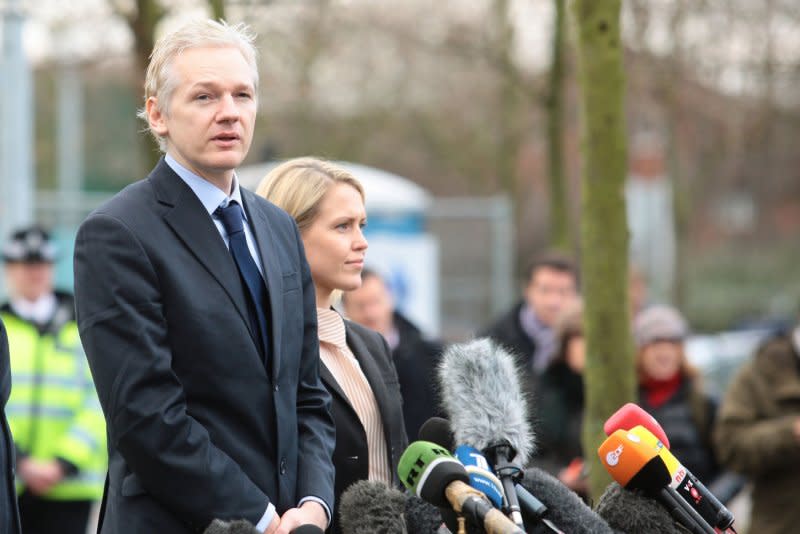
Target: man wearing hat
[(52, 410)]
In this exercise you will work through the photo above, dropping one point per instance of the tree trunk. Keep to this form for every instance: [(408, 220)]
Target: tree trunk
[(143, 22), (509, 136), (560, 238), (217, 9), (609, 375)]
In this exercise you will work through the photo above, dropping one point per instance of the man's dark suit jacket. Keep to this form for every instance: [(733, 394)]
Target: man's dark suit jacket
[(351, 457), (9, 518), (199, 427)]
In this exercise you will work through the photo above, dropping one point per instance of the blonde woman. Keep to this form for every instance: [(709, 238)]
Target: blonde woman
[(327, 203)]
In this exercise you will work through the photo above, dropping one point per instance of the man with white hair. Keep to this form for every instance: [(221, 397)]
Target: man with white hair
[(197, 314)]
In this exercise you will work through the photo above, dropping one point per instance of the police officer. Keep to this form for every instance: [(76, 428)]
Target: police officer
[(53, 411)]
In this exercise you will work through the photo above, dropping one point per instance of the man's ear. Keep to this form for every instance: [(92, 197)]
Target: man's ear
[(155, 117)]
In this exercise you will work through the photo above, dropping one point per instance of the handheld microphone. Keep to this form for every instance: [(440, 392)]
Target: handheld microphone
[(634, 464), (480, 475), (438, 430), (430, 472), (631, 415), (310, 529), (482, 479), (368, 506), (482, 377), (687, 485)]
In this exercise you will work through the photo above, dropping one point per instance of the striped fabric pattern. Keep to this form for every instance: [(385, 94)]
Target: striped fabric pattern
[(342, 364)]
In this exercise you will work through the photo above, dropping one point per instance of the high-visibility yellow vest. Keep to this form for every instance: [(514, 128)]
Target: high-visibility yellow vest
[(53, 409)]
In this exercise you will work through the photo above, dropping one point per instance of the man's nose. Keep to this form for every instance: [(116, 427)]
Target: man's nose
[(228, 110)]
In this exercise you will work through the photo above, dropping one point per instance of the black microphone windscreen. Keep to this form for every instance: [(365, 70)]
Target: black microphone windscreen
[(438, 430), (367, 507), (422, 517), (653, 476), (565, 508), (481, 393), (438, 479), (307, 529), (633, 512), (240, 526)]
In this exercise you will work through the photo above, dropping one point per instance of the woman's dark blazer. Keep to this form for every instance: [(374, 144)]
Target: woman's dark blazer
[(350, 457)]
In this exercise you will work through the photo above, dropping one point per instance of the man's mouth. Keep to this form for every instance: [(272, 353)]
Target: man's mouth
[(226, 137)]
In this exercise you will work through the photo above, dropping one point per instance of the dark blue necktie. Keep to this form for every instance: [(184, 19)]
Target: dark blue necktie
[(232, 219)]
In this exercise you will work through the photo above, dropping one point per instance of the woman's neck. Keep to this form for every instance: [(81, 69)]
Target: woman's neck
[(323, 297)]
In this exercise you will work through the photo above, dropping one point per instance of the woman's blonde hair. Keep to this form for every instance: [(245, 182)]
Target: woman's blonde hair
[(298, 185)]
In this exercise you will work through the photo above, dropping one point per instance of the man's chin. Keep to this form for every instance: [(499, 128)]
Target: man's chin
[(226, 161)]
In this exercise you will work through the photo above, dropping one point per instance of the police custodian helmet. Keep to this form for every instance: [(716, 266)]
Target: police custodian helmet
[(31, 244)]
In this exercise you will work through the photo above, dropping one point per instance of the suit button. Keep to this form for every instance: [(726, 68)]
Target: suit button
[(276, 388), (283, 466)]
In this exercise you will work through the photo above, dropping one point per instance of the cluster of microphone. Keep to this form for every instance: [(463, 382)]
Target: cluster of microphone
[(465, 474), (636, 454)]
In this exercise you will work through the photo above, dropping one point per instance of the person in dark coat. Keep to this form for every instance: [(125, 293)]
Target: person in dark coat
[(415, 357), (758, 432), (671, 391), (196, 311), (9, 516), (559, 405), (528, 329), (327, 202)]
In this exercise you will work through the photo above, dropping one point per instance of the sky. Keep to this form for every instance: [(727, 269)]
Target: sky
[(724, 49)]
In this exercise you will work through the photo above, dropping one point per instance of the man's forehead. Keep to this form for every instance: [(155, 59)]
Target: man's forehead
[(203, 65), (552, 275)]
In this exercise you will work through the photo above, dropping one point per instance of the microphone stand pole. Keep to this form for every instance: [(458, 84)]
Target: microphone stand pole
[(509, 474)]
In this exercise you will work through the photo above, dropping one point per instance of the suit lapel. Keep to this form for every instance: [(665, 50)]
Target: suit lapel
[(374, 377), (191, 222), (273, 275), (332, 385)]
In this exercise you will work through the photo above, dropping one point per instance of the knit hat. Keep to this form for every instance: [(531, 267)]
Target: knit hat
[(659, 323), (29, 245)]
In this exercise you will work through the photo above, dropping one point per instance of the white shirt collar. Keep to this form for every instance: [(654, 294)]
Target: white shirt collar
[(210, 195), (39, 311)]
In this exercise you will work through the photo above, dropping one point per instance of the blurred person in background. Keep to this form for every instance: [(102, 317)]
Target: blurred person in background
[(415, 357), (671, 391), (528, 328), (758, 432), (9, 515), (327, 203), (560, 404), (53, 411)]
